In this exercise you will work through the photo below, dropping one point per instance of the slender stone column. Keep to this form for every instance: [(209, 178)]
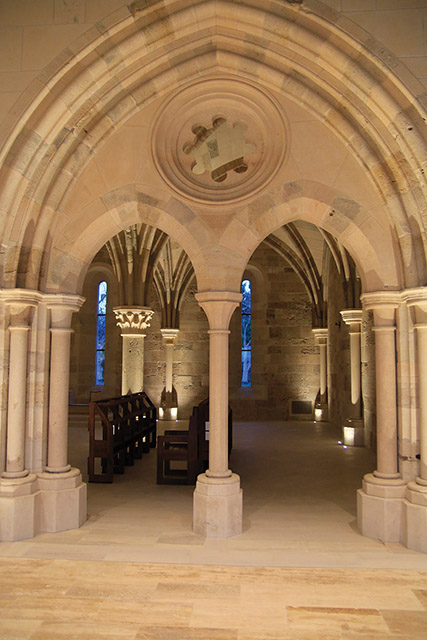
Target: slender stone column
[(17, 393), (415, 536), (57, 455), (379, 503), (422, 394), (218, 497), (353, 317), (58, 401), (63, 494), (321, 338), (18, 487), (353, 431), (169, 404), (133, 321)]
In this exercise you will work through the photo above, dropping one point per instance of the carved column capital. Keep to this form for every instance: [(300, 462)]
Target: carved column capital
[(384, 305), (320, 335), (169, 336), (219, 307), (20, 302), (62, 306), (133, 320), (352, 317), (416, 299)]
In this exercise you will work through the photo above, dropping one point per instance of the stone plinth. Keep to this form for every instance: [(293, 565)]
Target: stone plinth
[(380, 508), (217, 507), (415, 510), (63, 501), (19, 508)]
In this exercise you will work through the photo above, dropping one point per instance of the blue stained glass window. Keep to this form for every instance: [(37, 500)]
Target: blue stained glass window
[(101, 313), (246, 330)]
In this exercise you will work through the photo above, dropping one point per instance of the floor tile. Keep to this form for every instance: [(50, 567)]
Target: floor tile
[(409, 624)]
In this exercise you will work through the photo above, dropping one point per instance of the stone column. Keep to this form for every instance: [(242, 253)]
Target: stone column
[(133, 321), (17, 392), (18, 487), (217, 510), (380, 500), (63, 493), (353, 432), (321, 407), (415, 535), (169, 401)]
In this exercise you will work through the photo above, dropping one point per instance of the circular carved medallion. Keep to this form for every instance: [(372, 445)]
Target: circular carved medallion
[(219, 141)]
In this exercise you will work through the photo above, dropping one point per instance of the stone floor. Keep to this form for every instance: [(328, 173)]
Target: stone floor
[(299, 570)]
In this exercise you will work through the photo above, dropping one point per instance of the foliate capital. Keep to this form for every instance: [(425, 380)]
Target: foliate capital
[(133, 320)]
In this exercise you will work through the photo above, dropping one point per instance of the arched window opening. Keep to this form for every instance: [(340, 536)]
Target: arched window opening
[(101, 314), (246, 352)]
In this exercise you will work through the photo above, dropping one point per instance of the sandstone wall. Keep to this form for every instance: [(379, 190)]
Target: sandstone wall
[(285, 361), (34, 32), (339, 382)]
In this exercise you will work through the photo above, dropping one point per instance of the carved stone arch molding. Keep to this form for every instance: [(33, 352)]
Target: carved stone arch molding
[(77, 242), (143, 52), (370, 243)]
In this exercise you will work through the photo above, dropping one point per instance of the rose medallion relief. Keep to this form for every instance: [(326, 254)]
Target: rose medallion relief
[(219, 141)]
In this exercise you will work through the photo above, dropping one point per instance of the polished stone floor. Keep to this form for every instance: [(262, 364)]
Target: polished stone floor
[(299, 570)]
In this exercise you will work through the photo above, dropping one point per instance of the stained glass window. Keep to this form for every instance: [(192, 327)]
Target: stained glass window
[(101, 314), (246, 334)]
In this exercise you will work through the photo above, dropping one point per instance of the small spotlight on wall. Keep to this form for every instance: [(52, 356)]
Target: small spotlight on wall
[(339, 441), (345, 446)]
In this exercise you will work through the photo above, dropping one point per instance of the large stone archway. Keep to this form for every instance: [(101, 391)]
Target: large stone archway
[(110, 134)]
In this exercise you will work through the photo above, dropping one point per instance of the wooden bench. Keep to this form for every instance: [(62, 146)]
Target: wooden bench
[(120, 430), (179, 446), (189, 447)]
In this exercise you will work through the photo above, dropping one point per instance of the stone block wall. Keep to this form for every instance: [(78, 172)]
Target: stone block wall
[(368, 380), (191, 353), (285, 361), (339, 381), (82, 360), (190, 375)]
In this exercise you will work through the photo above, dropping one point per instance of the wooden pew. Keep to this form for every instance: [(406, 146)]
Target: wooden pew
[(120, 430), (190, 447), (180, 446)]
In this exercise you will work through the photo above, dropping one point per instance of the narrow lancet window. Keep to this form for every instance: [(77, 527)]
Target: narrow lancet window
[(246, 333), (101, 314)]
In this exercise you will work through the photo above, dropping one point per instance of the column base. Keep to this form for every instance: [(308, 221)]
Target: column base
[(415, 510), (380, 508), (353, 433), (62, 501), (217, 506), (19, 508)]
